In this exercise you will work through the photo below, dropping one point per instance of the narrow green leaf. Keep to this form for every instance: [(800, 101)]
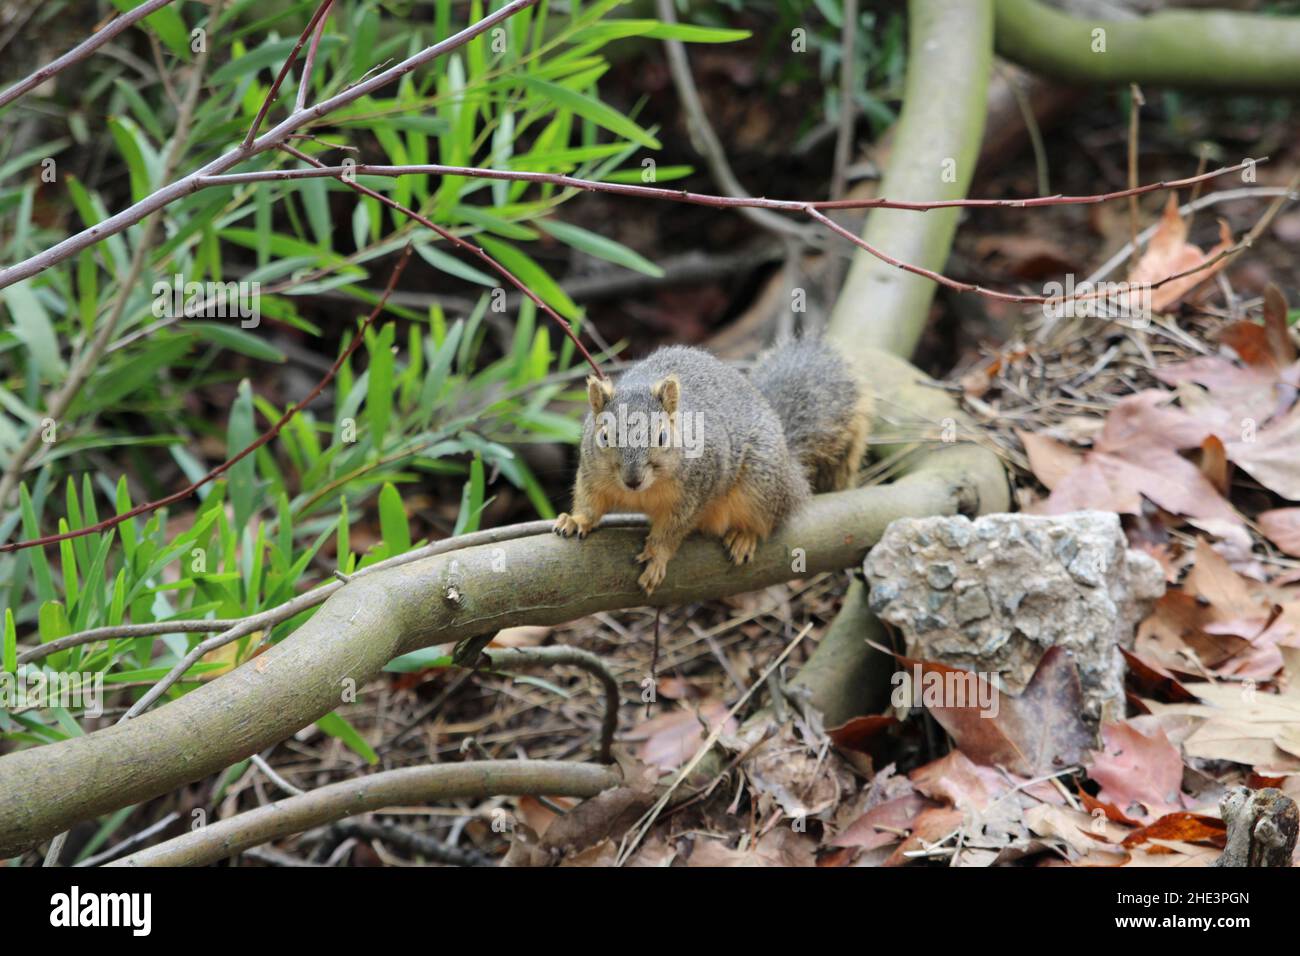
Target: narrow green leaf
[(592, 109)]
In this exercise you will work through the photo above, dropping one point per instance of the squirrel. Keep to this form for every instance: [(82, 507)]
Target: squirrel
[(693, 444)]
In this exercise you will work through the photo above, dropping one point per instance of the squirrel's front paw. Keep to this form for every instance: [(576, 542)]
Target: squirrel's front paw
[(567, 525), (653, 575), (655, 569), (742, 545)]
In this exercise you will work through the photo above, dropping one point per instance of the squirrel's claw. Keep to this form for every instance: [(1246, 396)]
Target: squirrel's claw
[(656, 567), (567, 525), (653, 575), (742, 546)]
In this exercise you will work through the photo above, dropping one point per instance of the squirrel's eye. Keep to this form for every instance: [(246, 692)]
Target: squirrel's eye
[(602, 437), (664, 437)]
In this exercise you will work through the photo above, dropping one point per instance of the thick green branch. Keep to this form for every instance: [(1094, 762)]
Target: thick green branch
[(409, 785), (882, 310), (936, 145), (437, 600), (1205, 49)]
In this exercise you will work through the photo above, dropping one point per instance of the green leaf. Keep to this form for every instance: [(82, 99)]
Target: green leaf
[(599, 246), (533, 276), (130, 144), (379, 386), (336, 726), (686, 32), (592, 109), (240, 433), (270, 54), (471, 502), (34, 329), (452, 266), (393, 525), (166, 23), (236, 339), (10, 642)]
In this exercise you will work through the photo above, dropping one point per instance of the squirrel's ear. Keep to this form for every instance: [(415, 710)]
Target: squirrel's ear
[(599, 391), (668, 392)]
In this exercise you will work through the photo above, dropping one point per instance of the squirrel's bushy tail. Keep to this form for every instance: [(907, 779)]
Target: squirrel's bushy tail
[(824, 405)]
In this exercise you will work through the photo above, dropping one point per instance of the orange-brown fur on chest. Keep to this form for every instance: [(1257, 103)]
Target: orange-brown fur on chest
[(657, 503), (733, 511)]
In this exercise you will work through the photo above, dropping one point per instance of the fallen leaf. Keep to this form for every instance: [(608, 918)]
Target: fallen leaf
[(1242, 724), (1076, 831), (1135, 456), (929, 829), (1139, 773), (881, 825), (1183, 826), (673, 737), (1282, 527), (1040, 731), (780, 846), (1169, 253)]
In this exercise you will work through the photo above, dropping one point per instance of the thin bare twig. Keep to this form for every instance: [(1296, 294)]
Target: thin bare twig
[(844, 136), (465, 244), (1136, 102), (309, 65), (317, 18), (81, 51), (207, 180), (706, 140), (169, 194), (253, 446)]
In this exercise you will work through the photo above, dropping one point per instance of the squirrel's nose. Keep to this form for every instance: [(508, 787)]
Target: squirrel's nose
[(634, 481)]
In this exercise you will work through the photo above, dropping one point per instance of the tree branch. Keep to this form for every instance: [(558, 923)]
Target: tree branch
[(81, 51), (378, 616), (475, 780), (271, 138), (1206, 49)]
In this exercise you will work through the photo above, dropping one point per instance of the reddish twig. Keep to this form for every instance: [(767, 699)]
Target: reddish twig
[(1008, 296), (258, 443), (316, 18), (81, 51), (310, 63), (697, 199), (166, 195), (811, 209), (465, 244)]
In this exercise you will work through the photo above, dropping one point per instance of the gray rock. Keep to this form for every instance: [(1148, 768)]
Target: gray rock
[(994, 594)]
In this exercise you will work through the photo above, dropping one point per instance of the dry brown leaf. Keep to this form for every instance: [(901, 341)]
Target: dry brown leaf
[(1271, 455), (1077, 831), (1169, 253), (928, 830), (1040, 731), (1140, 773), (883, 824), (1217, 622), (780, 846), (1135, 456), (1181, 826), (1241, 724), (1282, 527), (671, 738)]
